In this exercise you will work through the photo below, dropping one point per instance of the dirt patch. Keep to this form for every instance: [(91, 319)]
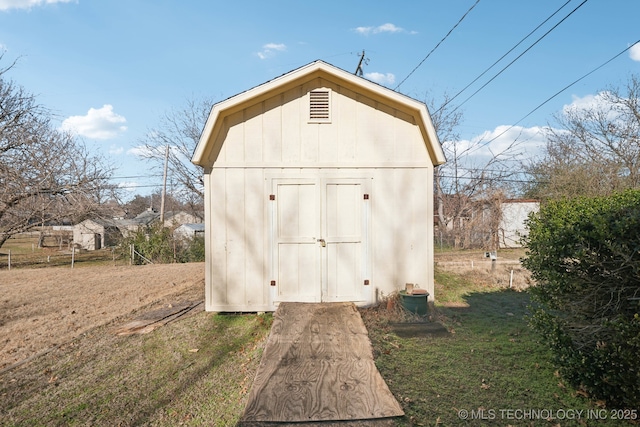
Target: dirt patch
[(44, 308)]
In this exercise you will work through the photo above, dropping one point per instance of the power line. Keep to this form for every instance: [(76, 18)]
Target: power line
[(439, 43), (495, 179), (141, 186), (520, 56), (553, 96), (137, 176), (503, 56)]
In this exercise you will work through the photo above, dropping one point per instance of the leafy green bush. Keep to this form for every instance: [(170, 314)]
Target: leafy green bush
[(191, 250), (157, 244), (585, 257)]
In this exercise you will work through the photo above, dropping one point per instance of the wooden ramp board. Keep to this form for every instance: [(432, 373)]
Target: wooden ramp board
[(318, 366), (156, 318)]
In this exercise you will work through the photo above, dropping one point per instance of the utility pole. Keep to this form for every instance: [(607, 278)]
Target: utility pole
[(164, 184), (359, 70)]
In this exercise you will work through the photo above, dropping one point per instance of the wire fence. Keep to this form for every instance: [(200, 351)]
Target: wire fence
[(51, 248), (43, 257)]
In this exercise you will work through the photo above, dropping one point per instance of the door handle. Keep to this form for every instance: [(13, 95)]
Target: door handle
[(322, 243)]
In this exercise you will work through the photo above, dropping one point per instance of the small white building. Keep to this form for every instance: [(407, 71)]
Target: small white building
[(512, 224), (189, 231), (318, 187), (174, 219), (94, 234)]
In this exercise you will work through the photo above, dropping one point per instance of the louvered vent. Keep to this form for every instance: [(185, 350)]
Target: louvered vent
[(319, 103)]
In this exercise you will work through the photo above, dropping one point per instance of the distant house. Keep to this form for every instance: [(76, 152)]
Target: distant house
[(93, 234), (512, 225), (489, 223), (174, 219), (145, 218), (171, 219), (189, 231)]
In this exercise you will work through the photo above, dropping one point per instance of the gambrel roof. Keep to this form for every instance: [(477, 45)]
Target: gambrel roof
[(307, 73)]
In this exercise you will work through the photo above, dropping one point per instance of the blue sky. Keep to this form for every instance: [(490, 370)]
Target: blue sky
[(110, 69)]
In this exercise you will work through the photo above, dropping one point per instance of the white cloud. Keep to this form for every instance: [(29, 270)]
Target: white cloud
[(596, 103), (384, 28), (101, 123), (270, 49), (586, 102), (381, 78), (140, 151), (523, 141), (115, 150), (28, 4), (634, 52)]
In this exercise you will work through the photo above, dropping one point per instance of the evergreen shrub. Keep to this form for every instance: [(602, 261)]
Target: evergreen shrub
[(585, 257)]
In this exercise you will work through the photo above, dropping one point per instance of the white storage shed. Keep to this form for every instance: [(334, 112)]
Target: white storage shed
[(318, 187)]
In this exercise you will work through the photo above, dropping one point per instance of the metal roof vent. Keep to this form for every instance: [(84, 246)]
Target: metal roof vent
[(320, 106)]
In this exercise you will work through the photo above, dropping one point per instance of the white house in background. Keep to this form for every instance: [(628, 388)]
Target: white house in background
[(512, 225), (174, 219), (98, 233), (94, 234), (318, 187), (189, 231)]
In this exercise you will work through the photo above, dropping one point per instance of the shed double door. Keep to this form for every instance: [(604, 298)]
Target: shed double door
[(319, 239)]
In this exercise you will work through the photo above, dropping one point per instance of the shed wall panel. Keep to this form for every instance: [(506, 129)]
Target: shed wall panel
[(362, 132), (272, 130), (401, 234), (237, 265), (347, 134), (216, 238), (290, 138), (253, 134), (233, 149), (236, 235), (239, 268), (255, 260)]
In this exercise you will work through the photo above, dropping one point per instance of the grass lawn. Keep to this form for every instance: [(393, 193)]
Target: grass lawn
[(490, 369), (194, 372)]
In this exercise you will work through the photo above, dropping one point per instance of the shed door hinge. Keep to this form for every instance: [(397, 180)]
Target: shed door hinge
[(272, 196), (366, 282), (273, 283), (366, 197)]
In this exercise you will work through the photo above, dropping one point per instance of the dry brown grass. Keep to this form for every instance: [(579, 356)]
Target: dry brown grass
[(43, 308), (505, 272)]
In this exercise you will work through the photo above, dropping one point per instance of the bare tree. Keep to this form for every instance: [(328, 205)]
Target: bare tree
[(180, 130), (469, 186), (45, 175), (591, 150)]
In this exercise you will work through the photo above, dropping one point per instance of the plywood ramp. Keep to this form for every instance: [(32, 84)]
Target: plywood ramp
[(318, 366)]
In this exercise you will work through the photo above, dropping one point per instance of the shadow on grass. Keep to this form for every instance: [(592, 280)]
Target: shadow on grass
[(491, 360), (491, 368), (185, 370), (216, 347), (485, 311)]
